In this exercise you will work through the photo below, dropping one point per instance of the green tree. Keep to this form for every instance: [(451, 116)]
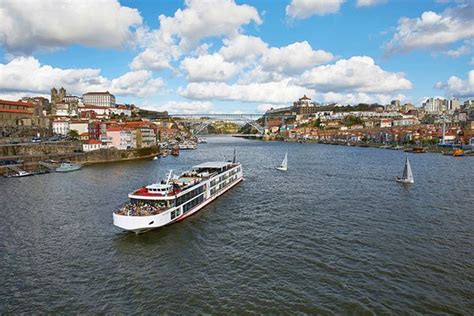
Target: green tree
[(73, 134)]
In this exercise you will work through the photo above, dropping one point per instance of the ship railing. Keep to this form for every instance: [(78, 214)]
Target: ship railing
[(139, 209)]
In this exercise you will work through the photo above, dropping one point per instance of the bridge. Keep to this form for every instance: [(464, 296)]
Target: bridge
[(207, 118)]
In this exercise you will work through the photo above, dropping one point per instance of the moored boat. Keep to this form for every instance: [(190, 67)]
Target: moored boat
[(457, 152), (177, 197), (68, 167), (22, 173)]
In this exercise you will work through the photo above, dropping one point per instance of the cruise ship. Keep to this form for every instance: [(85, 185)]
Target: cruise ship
[(177, 197)]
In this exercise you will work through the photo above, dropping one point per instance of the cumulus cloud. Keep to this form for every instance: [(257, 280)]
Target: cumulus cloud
[(27, 76), (302, 9), (198, 20), (187, 107), (464, 49), (360, 97), (458, 87), (368, 3), (243, 48), (432, 30), (357, 74), (209, 68), (269, 92), (29, 25), (294, 58)]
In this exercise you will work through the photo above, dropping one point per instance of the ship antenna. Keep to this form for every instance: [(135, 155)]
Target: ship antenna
[(233, 160), (169, 176)]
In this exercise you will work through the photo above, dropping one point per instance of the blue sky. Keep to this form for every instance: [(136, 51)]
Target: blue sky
[(238, 56)]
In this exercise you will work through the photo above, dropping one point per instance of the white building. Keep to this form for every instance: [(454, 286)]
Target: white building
[(100, 111), (99, 98), (80, 126), (61, 127), (453, 105), (91, 145), (121, 109), (435, 106)]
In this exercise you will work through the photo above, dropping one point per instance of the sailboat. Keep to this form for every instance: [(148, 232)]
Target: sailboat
[(407, 176), (284, 163)]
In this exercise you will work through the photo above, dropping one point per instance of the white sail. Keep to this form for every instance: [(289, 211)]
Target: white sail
[(284, 163), (407, 171), (407, 176)]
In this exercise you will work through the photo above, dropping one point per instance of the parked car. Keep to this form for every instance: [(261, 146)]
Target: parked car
[(36, 140)]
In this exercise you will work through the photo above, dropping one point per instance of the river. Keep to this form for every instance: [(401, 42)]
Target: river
[(333, 235)]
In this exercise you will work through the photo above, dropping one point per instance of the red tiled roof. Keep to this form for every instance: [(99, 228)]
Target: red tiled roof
[(114, 129), (16, 111), (93, 142), (25, 104)]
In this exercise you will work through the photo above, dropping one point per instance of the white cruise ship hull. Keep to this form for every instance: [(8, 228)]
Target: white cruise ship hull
[(141, 224)]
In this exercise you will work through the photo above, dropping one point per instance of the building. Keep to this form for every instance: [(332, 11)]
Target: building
[(100, 111), (92, 144), (60, 126), (120, 138), (453, 105), (80, 126), (105, 99), (435, 106), (121, 110), (16, 113), (468, 104)]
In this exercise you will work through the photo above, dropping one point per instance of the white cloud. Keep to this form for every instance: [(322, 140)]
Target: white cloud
[(367, 3), (302, 9), (458, 87), (243, 48), (269, 92), (360, 97), (198, 20), (265, 107), (432, 30), (294, 58), (357, 74), (29, 25), (258, 75), (209, 68), (185, 107), (464, 49), (27, 76)]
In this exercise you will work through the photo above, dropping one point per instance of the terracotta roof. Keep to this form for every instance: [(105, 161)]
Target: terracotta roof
[(114, 129), (16, 111), (84, 134), (93, 142), (91, 106), (25, 104)]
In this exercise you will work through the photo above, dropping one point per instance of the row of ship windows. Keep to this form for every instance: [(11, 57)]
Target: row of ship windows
[(223, 185), (186, 207), (182, 199)]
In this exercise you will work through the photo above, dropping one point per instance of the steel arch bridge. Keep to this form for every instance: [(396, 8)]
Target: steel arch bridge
[(249, 118)]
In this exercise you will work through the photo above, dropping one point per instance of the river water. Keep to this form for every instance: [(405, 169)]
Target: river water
[(333, 235)]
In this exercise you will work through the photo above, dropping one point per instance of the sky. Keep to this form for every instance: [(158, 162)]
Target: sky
[(238, 56)]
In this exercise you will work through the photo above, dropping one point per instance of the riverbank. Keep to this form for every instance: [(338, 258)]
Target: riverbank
[(407, 148), (33, 162)]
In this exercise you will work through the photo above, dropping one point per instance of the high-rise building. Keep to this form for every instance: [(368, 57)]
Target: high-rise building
[(435, 106), (454, 104)]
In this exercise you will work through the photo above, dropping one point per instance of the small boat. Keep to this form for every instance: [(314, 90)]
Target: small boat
[(202, 140), (155, 158), (22, 173), (175, 151), (67, 167), (284, 164), (407, 176), (455, 153)]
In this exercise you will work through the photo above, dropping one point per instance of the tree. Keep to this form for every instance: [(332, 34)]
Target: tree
[(73, 134)]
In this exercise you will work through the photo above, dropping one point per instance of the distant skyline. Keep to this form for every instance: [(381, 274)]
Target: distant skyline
[(238, 56)]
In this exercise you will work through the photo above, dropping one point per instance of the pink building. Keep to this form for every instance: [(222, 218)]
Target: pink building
[(120, 138)]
